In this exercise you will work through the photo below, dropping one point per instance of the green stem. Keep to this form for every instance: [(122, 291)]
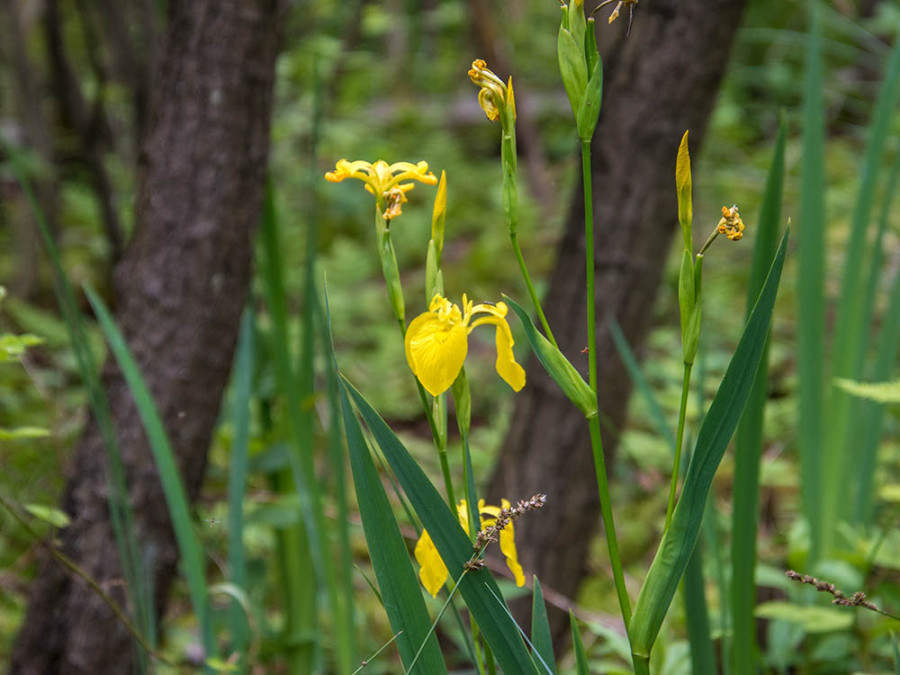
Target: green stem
[(679, 441), (609, 525), (509, 161), (589, 262), (514, 238), (641, 664)]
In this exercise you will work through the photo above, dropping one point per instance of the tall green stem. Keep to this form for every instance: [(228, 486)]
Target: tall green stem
[(514, 238), (594, 422), (679, 441), (509, 161), (609, 525), (589, 262)]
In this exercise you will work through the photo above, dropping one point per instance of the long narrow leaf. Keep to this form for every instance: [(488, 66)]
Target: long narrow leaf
[(397, 581), (494, 620), (137, 582), (703, 658), (811, 290), (885, 359), (169, 475), (237, 480), (678, 542), (749, 438), (853, 316), (541, 639)]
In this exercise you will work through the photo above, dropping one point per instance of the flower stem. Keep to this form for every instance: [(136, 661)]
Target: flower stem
[(589, 262), (514, 238), (679, 441), (609, 526)]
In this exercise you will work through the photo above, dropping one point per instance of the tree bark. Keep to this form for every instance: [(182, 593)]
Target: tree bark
[(660, 81), (180, 288)]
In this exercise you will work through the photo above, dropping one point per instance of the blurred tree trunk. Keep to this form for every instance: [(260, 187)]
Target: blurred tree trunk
[(661, 80), (180, 289)]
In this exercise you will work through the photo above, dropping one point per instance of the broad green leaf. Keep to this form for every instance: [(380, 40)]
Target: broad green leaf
[(477, 587), (557, 365), (397, 582), (678, 542)]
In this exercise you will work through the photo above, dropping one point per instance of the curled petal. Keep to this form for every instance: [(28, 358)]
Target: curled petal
[(433, 572), (508, 548), (507, 368), (435, 350)]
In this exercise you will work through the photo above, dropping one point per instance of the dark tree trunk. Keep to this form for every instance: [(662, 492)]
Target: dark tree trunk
[(180, 289), (661, 80)]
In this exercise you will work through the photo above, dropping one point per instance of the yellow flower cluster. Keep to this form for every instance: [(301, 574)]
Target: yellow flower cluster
[(433, 572), (731, 224), (437, 343), (384, 180)]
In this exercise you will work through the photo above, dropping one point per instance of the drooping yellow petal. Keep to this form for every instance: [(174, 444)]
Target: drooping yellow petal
[(435, 350), (507, 367), (433, 572), (508, 547)]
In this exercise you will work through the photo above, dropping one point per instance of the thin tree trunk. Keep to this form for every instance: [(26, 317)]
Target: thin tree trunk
[(660, 81), (180, 288)]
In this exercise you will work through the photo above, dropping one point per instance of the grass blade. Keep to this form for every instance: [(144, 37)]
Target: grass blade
[(494, 620), (811, 290), (703, 658), (885, 359), (237, 480), (724, 413), (176, 498), (749, 438), (397, 582), (582, 667), (541, 639), (854, 317), (137, 580)]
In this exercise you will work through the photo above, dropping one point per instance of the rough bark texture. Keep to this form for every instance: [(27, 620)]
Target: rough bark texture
[(180, 289), (660, 81)]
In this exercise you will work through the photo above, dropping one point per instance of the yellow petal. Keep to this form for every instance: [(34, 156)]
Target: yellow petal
[(435, 350), (507, 367), (433, 572), (508, 547)]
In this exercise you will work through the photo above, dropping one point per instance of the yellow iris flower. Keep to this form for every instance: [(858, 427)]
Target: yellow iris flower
[(384, 180), (433, 572), (437, 343), (493, 94)]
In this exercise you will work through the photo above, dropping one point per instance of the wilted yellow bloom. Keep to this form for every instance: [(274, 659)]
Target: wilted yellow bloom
[(493, 94), (437, 343), (433, 572), (384, 180), (731, 224)]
